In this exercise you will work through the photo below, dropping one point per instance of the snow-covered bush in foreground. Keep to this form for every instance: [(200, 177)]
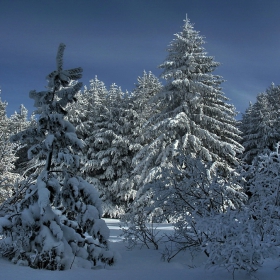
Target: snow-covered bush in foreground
[(237, 238), (264, 202), (58, 222), (210, 214), (234, 242)]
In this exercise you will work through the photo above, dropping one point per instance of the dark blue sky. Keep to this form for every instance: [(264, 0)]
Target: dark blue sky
[(118, 39)]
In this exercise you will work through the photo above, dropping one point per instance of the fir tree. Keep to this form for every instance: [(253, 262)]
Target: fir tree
[(58, 221), (260, 124), (111, 123), (187, 169), (195, 118), (7, 155), (146, 88), (110, 150), (20, 122)]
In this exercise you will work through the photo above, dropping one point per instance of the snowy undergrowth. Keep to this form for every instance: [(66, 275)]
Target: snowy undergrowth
[(140, 264)]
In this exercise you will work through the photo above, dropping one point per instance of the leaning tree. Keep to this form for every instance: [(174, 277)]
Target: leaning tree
[(57, 223)]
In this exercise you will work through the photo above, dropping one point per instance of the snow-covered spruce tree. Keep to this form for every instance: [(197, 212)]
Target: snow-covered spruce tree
[(58, 222), (260, 124), (195, 133), (89, 108), (7, 155), (110, 151), (111, 123), (125, 121), (136, 110), (20, 122), (87, 114), (20, 119), (147, 86), (195, 119), (246, 124)]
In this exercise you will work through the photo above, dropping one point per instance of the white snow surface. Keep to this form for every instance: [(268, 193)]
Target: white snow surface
[(138, 264)]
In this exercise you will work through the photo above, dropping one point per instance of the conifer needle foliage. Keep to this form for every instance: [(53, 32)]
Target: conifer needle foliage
[(57, 224)]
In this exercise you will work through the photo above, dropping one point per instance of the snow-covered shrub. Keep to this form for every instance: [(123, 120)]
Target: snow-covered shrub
[(243, 239), (260, 124), (213, 216), (57, 223), (264, 202), (234, 243), (141, 230)]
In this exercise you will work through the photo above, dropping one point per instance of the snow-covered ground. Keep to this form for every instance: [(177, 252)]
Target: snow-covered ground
[(138, 264)]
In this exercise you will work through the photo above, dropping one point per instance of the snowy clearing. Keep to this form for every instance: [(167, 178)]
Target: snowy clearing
[(138, 264)]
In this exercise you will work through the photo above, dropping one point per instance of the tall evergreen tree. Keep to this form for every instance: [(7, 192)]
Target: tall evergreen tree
[(58, 222), (110, 150), (111, 123), (20, 122), (7, 155), (192, 144), (89, 108), (260, 124), (20, 119), (195, 118), (147, 86)]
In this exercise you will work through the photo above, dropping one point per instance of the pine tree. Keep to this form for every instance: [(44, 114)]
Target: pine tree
[(244, 239), (260, 124), (195, 118), (192, 144), (19, 122), (146, 88), (7, 155), (58, 221), (110, 149), (110, 122)]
